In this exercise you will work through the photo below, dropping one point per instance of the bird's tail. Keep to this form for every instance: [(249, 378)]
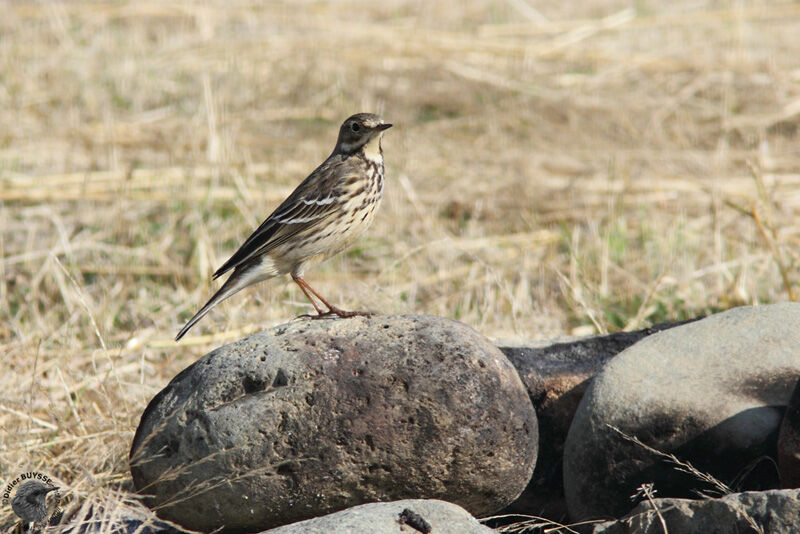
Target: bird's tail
[(236, 282)]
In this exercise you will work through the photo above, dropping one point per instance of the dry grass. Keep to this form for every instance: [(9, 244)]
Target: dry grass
[(531, 524), (556, 168), (717, 488)]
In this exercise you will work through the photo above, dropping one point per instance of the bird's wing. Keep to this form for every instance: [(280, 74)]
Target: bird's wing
[(316, 198)]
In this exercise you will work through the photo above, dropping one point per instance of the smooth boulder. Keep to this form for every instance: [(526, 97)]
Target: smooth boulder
[(316, 416), (773, 512), (410, 516), (712, 393)]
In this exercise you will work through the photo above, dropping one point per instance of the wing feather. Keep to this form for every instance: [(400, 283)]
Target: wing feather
[(314, 200)]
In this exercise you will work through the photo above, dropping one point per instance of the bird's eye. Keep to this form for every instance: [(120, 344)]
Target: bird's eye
[(355, 127)]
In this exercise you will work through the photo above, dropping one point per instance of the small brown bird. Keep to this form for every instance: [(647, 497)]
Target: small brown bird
[(327, 212)]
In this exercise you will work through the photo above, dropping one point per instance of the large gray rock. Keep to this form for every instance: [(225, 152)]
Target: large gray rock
[(774, 512), (399, 517), (316, 416), (789, 442), (711, 392)]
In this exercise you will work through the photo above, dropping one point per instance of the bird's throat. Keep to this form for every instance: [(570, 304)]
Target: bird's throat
[(372, 150)]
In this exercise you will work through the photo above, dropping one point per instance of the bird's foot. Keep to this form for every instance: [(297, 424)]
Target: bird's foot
[(338, 313), (342, 313)]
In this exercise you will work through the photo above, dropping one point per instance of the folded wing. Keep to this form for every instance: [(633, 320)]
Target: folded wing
[(310, 204)]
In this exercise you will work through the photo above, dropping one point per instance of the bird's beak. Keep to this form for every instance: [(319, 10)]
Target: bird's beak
[(382, 127), (52, 488)]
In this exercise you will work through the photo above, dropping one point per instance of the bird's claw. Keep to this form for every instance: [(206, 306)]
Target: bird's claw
[(343, 314)]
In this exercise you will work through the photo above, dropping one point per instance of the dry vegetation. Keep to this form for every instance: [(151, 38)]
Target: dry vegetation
[(556, 168)]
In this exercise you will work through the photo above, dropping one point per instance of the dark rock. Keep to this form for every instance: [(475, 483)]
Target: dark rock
[(556, 376), (415, 516), (772, 512), (711, 392), (789, 443), (317, 416)]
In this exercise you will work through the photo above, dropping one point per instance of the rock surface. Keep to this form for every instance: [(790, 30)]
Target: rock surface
[(789, 443), (411, 516), (774, 512), (313, 417), (712, 392), (556, 376)]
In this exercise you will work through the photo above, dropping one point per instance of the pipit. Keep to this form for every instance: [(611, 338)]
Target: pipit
[(327, 212)]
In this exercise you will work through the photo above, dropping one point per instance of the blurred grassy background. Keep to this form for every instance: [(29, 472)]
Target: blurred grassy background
[(556, 168)]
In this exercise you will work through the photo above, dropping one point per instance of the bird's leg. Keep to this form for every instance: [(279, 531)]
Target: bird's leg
[(304, 287), (332, 310)]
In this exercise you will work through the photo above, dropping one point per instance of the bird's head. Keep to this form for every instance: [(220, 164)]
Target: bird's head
[(34, 489), (358, 131), (30, 501)]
